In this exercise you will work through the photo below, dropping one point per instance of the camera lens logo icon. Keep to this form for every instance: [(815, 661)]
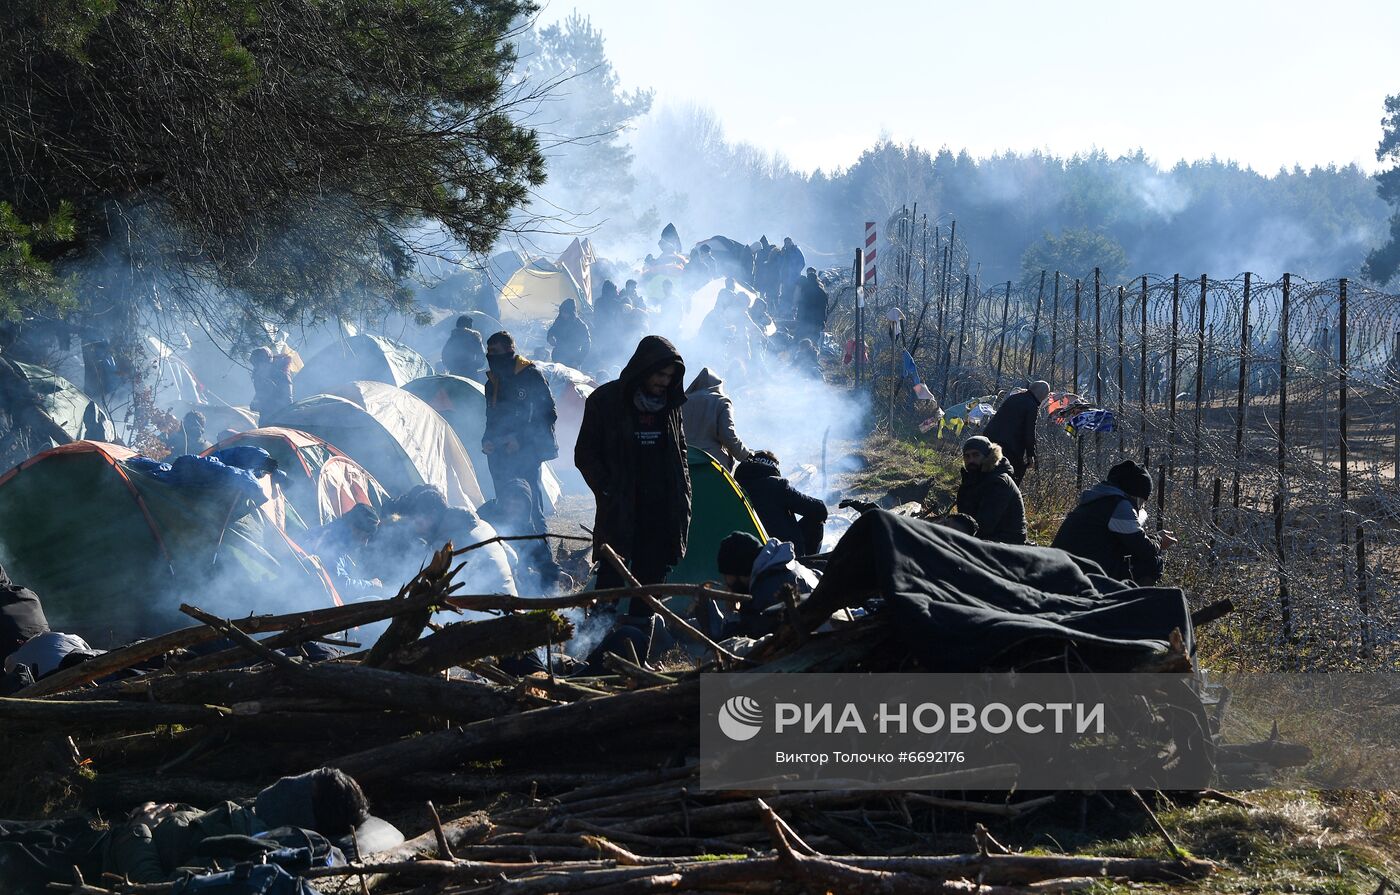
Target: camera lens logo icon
[(741, 718)]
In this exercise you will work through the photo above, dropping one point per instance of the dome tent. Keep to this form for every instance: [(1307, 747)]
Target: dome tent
[(360, 357)]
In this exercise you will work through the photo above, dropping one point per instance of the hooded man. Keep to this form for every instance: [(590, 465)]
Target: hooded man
[(463, 354), (1013, 427), (1107, 527), (709, 420), (989, 494), (520, 416), (811, 307), (631, 451), (189, 438), (272, 382), (779, 505), (569, 337)]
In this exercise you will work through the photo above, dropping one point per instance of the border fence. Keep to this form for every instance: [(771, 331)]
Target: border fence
[(1267, 411)]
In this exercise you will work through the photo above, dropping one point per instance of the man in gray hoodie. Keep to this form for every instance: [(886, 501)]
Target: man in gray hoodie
[(708, 414)]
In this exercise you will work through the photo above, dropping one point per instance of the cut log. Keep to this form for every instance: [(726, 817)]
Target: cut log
[(615, 715), (108, 714), (463, 642)]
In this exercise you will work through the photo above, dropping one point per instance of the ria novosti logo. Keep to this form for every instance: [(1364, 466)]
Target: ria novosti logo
[(741, 718)]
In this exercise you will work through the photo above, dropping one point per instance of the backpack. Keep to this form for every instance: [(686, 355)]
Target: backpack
[(246, 879)]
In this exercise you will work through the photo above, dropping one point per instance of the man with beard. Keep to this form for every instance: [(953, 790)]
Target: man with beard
[(988, 493), (631, 451)]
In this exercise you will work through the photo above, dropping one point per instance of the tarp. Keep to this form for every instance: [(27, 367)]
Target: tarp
[(963, 604), (578, 260), (113, 550), (718, 508), (66, 404), (462, 402), (397, 437), (323, 481), (534, 293), (361, 357)]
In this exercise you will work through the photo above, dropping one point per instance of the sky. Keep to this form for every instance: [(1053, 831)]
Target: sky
[(1267, 84)]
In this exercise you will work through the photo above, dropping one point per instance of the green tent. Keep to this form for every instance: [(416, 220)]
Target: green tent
[(362, 357), (67, 405), (397, 437), (718, 507), (112, 550)]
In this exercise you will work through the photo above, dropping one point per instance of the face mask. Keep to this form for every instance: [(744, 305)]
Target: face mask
[(500, 364)]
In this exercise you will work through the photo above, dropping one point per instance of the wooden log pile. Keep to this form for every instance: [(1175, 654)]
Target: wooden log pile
[(556, 785)]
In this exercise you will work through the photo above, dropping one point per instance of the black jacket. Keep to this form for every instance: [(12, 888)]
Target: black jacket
[(778, 505), (990, 496), (811, 301), (521, 405), (1119, 545), (571, 340), (464, 355), (606, 456), (1013, 427), (21, 615)]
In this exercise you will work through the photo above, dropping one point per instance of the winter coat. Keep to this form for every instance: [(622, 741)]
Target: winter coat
[(571, 340), (772, 571), (990, 496), (21, 615), (272, 385), (709, 420), (1013, 427), (146, 855), (1106, 528), (606, 456), (521, 405), (778, 505), (811, 302), (464, 355)]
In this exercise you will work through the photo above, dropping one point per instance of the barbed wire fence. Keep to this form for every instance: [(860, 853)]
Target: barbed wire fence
[(1267, 411)]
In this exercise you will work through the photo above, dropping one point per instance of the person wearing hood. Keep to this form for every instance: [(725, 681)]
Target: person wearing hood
[(429, 520), (1107, 527), (762, 571), (791, 264), (463, 354), (631, 450), (811, 307), (989, 494), (709, 420), (272, 381), (520, 416), (339, 545), (1013, 427), (786, 513), (569, 337)]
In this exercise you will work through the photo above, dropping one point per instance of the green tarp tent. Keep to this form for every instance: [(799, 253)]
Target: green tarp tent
[(112, 551), (718, 507), (361, 357), (397, 437)]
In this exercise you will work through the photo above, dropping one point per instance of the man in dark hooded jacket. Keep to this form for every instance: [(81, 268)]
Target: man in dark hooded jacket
[(989, 494), (1107, 527), (569, 337), (463, 354), (779, 505), (631, 451), (520, 417), (1013, 427)]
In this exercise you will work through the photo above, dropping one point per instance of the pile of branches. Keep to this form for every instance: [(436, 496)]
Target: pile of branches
[(553, 781)]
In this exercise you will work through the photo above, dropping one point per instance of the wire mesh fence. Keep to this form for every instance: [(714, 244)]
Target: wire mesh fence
[(1267, 411)]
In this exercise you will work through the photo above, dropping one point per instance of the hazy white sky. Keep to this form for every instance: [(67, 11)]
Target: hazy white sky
[(1264, 83)]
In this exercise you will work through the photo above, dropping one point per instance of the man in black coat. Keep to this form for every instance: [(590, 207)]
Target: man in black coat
[(988, 493), (1107, 527), (1013, 427), (631, 451), (463, 354), (569, 336), (520, 416), (811, 307), (779, 505)]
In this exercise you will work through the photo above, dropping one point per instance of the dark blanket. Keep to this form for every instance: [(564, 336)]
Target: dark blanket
[(964, 604)]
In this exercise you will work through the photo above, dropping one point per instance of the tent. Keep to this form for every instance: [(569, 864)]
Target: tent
[(218, 417), (398, 438), (462, 402), (324, 482), (113, 549), (578, 260), (64, 403), (360, 357), (718, 507), (534, 293), (571, 389)]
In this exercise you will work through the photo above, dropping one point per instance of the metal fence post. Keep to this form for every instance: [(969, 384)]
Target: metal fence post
[(1239, 402), (1200, 388)]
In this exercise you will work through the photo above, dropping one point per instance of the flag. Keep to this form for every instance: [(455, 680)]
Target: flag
[(920, 390), (1092, 421)]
